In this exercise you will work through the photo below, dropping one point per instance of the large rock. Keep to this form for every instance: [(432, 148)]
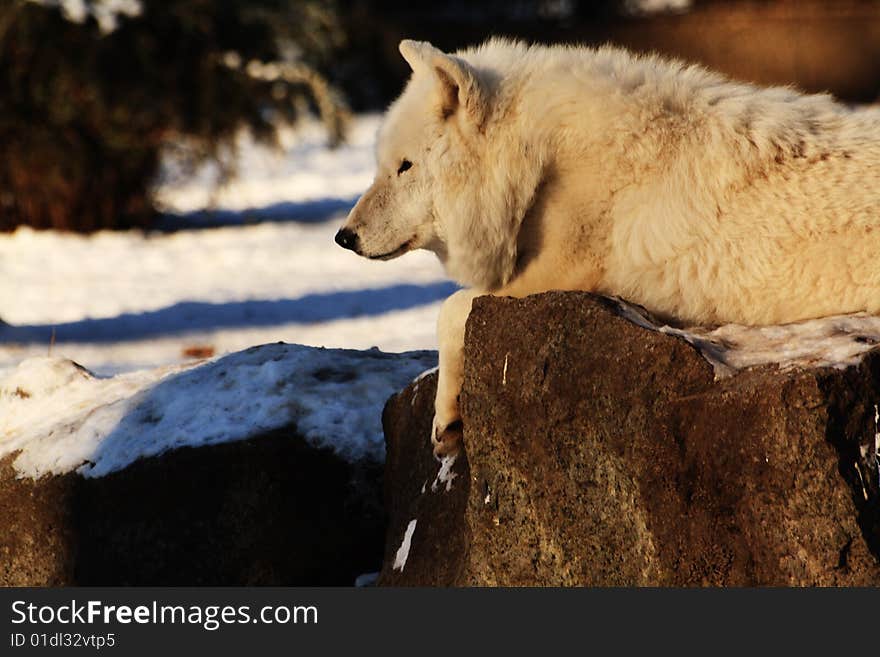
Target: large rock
[(271, 510), (260, 468), (599, 452)]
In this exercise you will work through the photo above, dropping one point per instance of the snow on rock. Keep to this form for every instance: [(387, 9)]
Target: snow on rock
[(60, 417), (428, 372), (403, 551), (838, 341), (445, 475)]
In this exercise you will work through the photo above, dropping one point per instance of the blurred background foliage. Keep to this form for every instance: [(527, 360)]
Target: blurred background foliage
[(92, 91), (85, 110)]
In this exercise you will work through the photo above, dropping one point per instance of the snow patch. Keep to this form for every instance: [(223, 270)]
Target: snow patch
[(415, 383), (424, 374), (876, 441), (105, 12), (839, 341), (445, 475), (61, 417), (403, 551)]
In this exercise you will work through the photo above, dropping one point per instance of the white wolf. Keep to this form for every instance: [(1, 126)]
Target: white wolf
[(531, 168)]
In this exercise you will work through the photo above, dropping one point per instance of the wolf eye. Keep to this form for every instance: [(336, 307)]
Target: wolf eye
[(404, 166)]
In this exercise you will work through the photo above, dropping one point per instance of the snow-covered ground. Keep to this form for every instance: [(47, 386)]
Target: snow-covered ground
[(248, 263)]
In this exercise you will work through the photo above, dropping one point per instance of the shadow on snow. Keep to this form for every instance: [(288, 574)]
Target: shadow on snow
[(190, 316), (306, 212)]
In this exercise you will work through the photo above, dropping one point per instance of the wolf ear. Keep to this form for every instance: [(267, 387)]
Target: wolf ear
[(417, 53), (458, 87)]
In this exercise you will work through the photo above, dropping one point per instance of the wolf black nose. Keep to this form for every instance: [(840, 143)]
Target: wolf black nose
[(347, 239)]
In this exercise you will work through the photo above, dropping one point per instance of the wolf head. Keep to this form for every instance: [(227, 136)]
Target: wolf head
[(440, 184)]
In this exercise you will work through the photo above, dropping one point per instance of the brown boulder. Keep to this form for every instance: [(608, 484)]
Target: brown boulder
[(271, 510), (598, 452), (263, 467)]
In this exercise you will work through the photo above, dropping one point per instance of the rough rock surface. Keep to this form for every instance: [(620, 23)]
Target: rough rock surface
[(272, 510), (597, 452)]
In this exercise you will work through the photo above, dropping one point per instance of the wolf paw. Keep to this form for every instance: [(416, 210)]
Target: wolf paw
[(447, 439)]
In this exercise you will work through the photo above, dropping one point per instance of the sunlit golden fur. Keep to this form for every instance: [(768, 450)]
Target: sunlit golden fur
[(705, 200)]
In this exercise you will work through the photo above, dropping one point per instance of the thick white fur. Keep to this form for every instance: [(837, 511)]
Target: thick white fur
[(704, 200)]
